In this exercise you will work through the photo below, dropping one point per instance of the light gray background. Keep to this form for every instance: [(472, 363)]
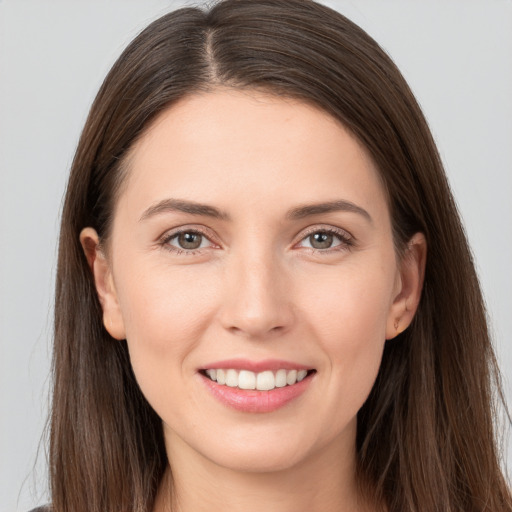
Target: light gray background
[(456, 55)]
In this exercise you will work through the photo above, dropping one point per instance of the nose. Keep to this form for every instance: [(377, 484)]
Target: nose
[(258, 301)]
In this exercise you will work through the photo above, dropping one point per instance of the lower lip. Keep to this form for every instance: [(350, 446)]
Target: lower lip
[(256, 401)]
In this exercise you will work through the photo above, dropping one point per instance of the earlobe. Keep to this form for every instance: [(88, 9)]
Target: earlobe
[(103, 280), (412, 273)]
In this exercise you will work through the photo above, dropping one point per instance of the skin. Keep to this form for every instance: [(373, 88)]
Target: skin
[(257, 289)]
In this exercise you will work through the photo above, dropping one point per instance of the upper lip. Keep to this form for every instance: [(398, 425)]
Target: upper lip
[(256, 366)]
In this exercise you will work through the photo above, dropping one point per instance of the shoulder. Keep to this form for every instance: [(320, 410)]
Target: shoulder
[(41, 509)]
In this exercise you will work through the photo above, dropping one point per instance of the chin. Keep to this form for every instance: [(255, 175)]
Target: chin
[(258, 460), (271, 450)]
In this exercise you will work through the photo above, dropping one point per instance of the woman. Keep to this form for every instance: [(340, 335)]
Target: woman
[(264, 294)]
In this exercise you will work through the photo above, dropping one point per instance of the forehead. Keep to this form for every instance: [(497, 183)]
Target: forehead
[(246, 148)]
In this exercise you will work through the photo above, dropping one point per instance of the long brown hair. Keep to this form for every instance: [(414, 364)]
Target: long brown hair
[(426, 436)]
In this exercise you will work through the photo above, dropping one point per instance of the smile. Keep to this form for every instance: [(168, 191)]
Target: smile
[(261, 387), (261, 381)]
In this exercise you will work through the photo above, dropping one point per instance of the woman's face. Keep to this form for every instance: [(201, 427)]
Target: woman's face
[(252, 237)]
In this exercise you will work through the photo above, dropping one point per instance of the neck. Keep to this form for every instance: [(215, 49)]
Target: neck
[(324, 482)]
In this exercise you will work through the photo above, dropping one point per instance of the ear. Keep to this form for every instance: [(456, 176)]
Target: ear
[(100, 268), (409, 286)]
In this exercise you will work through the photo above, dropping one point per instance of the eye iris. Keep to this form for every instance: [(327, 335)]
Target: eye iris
[(189, 240), (321, 240)]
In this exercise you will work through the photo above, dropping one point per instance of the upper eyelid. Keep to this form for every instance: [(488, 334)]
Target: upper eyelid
[(171, 233), (325, 227)]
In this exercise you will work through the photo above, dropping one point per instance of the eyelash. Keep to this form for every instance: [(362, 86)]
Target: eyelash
[(347, 241)]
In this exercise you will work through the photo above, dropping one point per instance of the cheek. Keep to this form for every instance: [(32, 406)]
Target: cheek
[(353, 302), (349, 319), (165, 311)]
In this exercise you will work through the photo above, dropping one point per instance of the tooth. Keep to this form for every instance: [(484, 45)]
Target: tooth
[(232, 378), (265, 381), (301, 374), (280, 378), (221, 376), (246, 380), (291, 377)]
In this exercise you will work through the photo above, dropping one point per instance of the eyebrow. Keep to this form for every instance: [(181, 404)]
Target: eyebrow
[(340, 205), (297, 213), (180, 205)]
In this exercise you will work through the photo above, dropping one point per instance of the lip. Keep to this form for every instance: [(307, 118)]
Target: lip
[(255, 366), (254, 401)]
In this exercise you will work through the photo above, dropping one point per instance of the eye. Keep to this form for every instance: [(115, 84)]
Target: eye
[(324, 240), (186, 241)]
